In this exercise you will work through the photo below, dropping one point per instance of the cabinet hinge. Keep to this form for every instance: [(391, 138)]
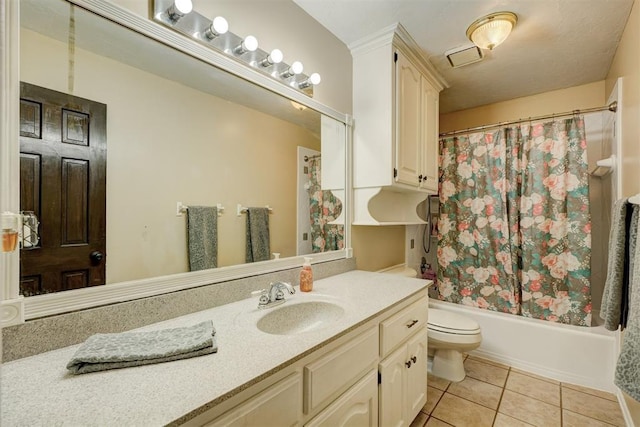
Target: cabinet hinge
[(379, 378), (395, 172), (395, 56)]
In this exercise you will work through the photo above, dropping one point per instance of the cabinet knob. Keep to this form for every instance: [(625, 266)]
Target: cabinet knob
[(408, 363), (414, 359), (420, 178)]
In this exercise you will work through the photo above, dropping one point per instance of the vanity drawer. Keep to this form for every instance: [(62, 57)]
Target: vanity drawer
[(333, 373), (401, 325)]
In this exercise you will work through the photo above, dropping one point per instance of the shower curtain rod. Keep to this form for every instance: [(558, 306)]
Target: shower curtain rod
[(613, 107)]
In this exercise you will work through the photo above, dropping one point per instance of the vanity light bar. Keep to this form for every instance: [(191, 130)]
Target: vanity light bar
[(179, 16)]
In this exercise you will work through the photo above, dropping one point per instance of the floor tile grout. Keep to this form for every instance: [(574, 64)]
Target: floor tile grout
[(496, 411)]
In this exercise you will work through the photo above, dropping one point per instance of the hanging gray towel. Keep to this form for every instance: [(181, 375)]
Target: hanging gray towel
[(202, 229), (627, 375), (258, 234), (112, 351), (614, 287)]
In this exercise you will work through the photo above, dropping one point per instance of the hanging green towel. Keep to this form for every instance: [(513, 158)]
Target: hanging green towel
[(258, 235), (627, 375), (112, 351), (613, 305), (202, 228)]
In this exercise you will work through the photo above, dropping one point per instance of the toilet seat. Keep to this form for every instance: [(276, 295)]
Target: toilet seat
[(451, 323)]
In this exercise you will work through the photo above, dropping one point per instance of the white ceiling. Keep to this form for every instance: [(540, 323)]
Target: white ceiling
[(556, 43)]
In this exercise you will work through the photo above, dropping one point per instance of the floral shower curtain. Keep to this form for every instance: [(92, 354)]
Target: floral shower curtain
[(514, 226), (324, 207)]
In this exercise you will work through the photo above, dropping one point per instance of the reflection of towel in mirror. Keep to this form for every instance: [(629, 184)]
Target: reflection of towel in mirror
[(258, 234), (627, 375), (202, 228), (112, 351)]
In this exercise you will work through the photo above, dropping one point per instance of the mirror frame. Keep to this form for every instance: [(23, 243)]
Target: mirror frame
[(14, 308)]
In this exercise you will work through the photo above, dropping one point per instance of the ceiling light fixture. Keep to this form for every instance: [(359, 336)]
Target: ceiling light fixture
[(491, 30)]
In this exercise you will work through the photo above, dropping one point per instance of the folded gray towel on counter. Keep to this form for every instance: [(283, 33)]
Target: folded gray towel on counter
[(112, 351)]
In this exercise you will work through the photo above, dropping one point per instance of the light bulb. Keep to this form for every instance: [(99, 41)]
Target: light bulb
[(249, 44), (218, 27), (179, 8), (313, 79), (275, 57), (295, 68)]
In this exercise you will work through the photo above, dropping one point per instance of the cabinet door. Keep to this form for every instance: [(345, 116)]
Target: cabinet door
[(279, 405), (429, 171), (357, 407), (417, 374), (393, 390), (408, 122)]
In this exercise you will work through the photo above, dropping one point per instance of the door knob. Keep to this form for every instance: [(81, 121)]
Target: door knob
[(96, 257)]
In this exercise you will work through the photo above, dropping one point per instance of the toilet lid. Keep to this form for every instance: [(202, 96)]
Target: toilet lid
[(452, 323)]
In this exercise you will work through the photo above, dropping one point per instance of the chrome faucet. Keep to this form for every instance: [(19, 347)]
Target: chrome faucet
[(275, 294)]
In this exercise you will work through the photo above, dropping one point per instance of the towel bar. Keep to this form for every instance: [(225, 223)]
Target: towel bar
[(182, 209), (242, 209)]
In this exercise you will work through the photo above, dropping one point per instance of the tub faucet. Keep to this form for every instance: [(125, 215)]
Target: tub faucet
[(274, 295)]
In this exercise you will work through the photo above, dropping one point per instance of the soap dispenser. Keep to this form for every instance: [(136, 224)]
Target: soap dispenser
[(306, 276)]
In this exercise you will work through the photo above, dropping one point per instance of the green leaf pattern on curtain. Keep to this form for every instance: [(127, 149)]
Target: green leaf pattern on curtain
[(514, 226), (324, 207)]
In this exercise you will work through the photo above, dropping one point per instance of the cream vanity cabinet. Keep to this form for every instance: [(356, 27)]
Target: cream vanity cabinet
[(403, 369), (395, 144), (373, 376)]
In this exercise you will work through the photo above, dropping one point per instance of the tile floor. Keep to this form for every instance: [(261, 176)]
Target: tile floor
[(496, 395)]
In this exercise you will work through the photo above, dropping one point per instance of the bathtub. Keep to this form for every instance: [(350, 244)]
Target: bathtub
[(573, 354)]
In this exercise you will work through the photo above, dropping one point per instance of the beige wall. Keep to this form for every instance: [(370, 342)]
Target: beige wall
[(626, 64), (222, 153), (557, 101), (378, 247)]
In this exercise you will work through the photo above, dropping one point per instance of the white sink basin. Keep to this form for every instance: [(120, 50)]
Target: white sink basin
[(296, 318)]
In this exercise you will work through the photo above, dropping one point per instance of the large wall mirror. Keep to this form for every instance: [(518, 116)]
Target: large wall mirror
[(177, 129)]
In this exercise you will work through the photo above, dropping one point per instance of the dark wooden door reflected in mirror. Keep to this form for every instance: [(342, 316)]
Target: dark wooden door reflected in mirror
[(63, 156)]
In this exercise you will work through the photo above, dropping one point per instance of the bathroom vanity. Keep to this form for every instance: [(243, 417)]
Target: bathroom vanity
[(354, 349)]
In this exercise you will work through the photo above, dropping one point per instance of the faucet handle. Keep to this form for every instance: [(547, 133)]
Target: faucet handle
[(264, 296)]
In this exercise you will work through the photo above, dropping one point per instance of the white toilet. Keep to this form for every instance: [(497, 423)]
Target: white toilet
[(450, 335)]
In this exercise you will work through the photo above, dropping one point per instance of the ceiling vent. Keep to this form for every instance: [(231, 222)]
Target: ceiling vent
[(464, 55)]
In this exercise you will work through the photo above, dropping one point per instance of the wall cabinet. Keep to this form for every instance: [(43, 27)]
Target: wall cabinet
[(395, 145), (373, 376), (417, 127)]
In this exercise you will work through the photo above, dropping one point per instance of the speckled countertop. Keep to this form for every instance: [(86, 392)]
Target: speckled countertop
[(38, 390)]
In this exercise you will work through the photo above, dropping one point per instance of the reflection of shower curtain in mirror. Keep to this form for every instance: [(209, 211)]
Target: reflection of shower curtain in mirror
[(324, 207)]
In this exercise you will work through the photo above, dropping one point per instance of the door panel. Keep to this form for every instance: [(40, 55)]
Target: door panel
[(409, 122), (63, 181), (417, 374)]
